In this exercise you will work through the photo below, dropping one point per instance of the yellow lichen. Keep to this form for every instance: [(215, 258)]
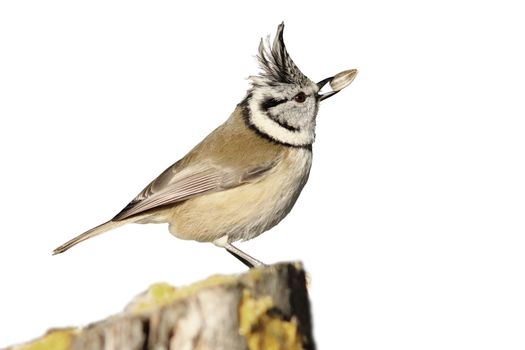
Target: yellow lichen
[(264, 331), (256, 273), (160, 294), (55, 339)]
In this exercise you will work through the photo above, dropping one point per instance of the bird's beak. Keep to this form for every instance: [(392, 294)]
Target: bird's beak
[(338, 82)]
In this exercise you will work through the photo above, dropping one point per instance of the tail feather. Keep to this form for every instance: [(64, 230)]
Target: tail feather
[(109, 225)]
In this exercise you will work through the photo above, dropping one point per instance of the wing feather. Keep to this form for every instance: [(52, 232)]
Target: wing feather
[(174, 186)]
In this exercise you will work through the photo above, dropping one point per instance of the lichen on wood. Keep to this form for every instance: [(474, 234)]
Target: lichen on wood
[(57, 339), (264, 329), (265, 308)]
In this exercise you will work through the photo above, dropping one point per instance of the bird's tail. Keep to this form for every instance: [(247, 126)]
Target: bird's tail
[(109, 225)]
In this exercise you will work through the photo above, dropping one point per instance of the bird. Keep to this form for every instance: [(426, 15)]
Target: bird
[(246, 175)]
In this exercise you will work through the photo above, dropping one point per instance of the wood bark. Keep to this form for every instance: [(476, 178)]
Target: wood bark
[(264, 308)]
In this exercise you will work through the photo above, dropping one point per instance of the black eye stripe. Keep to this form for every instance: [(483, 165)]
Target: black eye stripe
[(270, 102)]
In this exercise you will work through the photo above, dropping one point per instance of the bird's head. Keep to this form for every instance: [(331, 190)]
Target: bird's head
[(283, 102)]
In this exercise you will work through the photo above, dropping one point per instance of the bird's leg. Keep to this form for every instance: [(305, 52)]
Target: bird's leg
[(242, 256)]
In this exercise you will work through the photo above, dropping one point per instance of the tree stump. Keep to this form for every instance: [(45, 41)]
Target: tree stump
[(266, 308)]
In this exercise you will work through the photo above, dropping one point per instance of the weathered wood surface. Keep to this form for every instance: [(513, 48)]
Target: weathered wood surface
[(264, 309)]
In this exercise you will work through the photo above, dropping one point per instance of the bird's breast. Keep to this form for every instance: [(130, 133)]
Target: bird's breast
[(245, 211)]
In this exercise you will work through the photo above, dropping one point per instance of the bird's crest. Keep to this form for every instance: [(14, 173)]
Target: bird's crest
[(276, 64)]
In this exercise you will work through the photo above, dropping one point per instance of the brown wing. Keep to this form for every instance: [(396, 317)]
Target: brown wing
[(175, 185), (230, 156)]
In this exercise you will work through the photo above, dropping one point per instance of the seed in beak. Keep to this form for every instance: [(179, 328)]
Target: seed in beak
[(343, 79)]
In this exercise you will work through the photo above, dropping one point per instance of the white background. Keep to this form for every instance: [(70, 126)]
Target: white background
[(412, 223)]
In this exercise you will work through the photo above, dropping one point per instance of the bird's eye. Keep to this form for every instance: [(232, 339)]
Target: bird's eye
[(300, 97)]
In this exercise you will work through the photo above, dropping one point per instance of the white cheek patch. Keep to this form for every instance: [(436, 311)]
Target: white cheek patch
[(266, 125), (297, 115)]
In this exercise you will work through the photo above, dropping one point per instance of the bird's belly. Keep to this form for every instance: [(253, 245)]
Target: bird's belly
[(246, 211)]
